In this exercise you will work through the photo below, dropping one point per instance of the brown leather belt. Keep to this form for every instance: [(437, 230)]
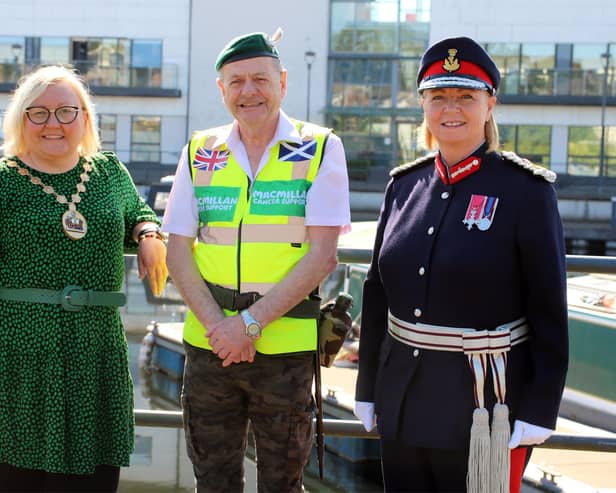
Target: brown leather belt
[(230, 299)]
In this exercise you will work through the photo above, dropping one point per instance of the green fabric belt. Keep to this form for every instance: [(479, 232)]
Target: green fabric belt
[(231, 299), (72, 298)]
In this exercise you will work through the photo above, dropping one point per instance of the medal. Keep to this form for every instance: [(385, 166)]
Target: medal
[(480, 212), (74, 224), (483, 224)]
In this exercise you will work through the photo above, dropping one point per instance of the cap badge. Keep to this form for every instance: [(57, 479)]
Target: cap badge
[(451, 63)]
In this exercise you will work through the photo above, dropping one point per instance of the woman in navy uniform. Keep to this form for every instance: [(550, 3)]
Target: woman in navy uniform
[(464, 347)]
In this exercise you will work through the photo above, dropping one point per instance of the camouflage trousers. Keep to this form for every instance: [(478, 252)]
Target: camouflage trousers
[(273, 394)]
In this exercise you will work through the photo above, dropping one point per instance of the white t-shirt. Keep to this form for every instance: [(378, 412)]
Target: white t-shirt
[(327, 201)]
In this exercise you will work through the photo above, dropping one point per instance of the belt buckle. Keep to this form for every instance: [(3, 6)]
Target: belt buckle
[(241, 301), (67, 296)]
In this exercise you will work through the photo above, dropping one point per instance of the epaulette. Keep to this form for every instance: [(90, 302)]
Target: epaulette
[(403, 168), (547, 174)]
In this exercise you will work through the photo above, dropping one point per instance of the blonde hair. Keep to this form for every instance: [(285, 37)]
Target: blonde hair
[(31, 87)]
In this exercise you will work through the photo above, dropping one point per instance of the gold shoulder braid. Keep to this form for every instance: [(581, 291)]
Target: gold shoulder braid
[(74, 224)]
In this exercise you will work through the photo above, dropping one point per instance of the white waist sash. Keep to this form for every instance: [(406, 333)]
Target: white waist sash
[(478, 345), (466, 340), (488, 469)]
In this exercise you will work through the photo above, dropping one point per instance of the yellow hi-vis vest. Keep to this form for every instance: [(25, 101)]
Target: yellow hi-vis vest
[(252, 234)]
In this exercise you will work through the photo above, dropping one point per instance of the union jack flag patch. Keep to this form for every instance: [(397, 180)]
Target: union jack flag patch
[(290, 151), (210, 160)]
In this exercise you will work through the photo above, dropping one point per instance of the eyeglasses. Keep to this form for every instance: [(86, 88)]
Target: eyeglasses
[(39, 115)]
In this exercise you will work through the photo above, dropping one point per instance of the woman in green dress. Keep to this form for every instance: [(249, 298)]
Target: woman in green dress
[(67, 214)]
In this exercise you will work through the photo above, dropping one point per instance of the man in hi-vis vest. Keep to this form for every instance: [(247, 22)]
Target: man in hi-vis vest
[(253, 220)]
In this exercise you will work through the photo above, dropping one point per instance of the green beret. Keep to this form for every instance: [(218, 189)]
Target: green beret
[(247, 46)]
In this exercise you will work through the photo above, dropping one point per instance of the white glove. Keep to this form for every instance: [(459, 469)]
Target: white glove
[(365, 413), (527, 434)]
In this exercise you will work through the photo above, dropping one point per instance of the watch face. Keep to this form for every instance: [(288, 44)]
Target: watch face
[(253, 330)]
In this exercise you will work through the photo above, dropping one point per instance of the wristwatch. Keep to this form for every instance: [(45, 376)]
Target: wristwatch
[(253, 328)]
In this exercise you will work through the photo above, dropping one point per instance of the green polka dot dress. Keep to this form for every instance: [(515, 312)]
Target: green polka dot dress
[(66, 402)]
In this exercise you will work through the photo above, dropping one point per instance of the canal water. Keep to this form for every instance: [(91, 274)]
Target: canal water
[(159, 463)]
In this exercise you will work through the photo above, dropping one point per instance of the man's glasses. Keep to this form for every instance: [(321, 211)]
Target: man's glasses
[(39, 115)]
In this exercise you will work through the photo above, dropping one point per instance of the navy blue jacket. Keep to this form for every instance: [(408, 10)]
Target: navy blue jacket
[(429, 267)]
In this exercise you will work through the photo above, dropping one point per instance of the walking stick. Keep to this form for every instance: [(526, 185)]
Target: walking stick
[(319, 401)]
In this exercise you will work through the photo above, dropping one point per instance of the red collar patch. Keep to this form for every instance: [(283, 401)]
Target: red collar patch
[(458, 171)]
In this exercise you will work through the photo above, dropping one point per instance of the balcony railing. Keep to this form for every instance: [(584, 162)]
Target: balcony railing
[(557, 82), (97, 75)]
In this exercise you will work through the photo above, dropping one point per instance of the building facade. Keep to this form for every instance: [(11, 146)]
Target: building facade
[(352, 66), (133, 55)]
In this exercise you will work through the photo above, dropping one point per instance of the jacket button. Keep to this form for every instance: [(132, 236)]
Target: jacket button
[(416, 353), (422, 271), (445, 195), (431, 230), (417, 312)]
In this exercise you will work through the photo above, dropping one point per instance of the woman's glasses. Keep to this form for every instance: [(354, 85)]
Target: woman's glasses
[(39, 115)]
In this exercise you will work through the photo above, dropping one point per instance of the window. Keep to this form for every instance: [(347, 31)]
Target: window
[(53, 51), (11, 58), (103, 61), (107, 129), (610, 150), (380, 26), (550, 70), (363, 27), (407, 85), (507, 59), (584, 157), (367, 140), (532, 142), (362, 83), (145, 139), (507, 137), (414, 26), (587, 70), (611, 81), (583, 151), (407, 141), (146, 63), (375, 46), (537, 64)]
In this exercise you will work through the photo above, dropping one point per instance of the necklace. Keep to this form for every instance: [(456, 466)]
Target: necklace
[(74, 224)]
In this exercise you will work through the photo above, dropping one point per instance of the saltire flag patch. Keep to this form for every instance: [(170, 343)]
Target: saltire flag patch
[(290, 151), (210, 160)]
